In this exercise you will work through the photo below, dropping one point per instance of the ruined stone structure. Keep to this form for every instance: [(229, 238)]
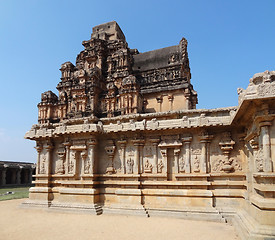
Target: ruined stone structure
[(124, 136), (16, 173)]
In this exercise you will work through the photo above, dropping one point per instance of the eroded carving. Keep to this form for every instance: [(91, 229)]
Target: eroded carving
[(130, 164)]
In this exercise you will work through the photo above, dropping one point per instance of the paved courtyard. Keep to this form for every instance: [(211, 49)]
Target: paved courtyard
[(20, 223)]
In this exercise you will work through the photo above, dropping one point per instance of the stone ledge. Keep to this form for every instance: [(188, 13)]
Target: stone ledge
[(263, 203), (78, 191), (178, 192)]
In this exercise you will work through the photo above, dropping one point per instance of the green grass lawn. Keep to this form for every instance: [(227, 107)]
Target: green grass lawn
[(19, 192)]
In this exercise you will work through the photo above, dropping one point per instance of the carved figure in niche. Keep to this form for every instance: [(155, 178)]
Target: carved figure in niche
[(259, 160), (43, 166), (181, 165), (71, 166), (196, 164), (148, 167), (160, 167), (130, 164), (87, 167)]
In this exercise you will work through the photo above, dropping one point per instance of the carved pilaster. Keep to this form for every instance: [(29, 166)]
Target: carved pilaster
[(171, 99), (187, 163), (39, 149), (49, 148), (137, 143), (159, 101), (176, 155), (67, 147), (164, 159), (85, 163), (205, 138), (265, 139), (122, 144), (155, 143), (91, 149)]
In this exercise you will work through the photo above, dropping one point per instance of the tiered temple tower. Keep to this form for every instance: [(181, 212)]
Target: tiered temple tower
[(110, 79)]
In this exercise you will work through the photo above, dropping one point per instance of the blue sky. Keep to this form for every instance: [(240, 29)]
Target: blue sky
[(229, 41)]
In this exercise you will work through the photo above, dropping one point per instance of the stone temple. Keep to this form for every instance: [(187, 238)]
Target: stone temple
[(124, 136)]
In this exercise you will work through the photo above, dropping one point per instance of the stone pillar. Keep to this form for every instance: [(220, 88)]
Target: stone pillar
[(4, 171), (176, 155), (155, 143), (186, 142), (39, 150), (122, 155), (18, 177), (92, 143), (265, 139), (30, 176), (67, 147), (49, 148)]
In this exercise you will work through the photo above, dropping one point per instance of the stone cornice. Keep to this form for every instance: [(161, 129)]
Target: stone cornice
[(191, 119)]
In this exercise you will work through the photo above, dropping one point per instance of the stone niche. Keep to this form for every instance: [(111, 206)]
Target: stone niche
[(123, 136)]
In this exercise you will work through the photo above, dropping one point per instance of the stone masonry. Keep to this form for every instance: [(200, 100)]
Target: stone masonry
[(124, 136)]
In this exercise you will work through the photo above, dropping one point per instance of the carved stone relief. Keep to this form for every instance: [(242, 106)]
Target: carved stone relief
[(130, 164), (160, 167), (59, 168), (71, 167), (148, 166), (219, 165), (259, 160), (43, 165), (196, 165), (182, 165)]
